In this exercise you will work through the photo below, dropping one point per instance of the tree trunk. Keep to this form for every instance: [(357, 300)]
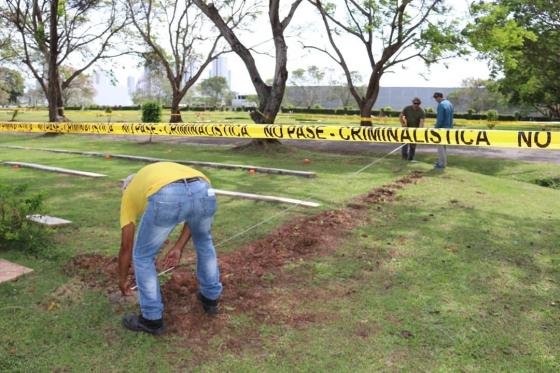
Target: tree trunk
[(60, 104), (53, 90), (175, 110), (366, 104), (265, 114), (270, 97), (554, 111), (365, 112)]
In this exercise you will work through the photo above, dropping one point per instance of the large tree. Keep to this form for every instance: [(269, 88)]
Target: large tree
[(305, 85), (270, 95), (479, 95), (390, 32), (521, 39), (341, 90), (216, 88), (12, 86), (179, 39), (49, 34), (5, 41), (80, 91), (154, 84)]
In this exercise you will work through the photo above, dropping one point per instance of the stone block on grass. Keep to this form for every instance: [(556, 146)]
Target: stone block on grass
[(51, 221), (10, 271)]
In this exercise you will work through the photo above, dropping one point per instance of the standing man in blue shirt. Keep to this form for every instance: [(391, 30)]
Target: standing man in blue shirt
[(444, 120)]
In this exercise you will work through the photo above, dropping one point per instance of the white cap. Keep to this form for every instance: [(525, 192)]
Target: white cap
[(127, 181)]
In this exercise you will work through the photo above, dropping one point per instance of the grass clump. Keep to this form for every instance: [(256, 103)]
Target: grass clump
[(549, 182)]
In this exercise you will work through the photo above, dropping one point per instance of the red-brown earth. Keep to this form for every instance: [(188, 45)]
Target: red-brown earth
[(257, 286)]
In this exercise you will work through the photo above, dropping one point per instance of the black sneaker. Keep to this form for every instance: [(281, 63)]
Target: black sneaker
[(210, 306), (139, 324)]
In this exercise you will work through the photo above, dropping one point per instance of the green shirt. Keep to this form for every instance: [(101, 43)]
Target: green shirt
[(413, 116)]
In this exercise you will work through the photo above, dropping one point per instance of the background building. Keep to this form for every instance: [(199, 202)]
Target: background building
[(109, 91), (219, 67)]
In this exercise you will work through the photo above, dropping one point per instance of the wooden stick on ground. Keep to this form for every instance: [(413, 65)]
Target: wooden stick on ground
[(268, 170), (260, 197), (54, 169)]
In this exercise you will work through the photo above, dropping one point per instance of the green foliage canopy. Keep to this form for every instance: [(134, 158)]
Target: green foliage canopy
[(12, 85), (521, 38), (216, 88), (479, 95)]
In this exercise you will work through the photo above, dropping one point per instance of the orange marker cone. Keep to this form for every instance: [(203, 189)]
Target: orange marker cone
[(252, 171), (306, 161), (107, 156)]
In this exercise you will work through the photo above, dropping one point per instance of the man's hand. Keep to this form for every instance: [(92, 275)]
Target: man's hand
[(125, 287), (172, 258)]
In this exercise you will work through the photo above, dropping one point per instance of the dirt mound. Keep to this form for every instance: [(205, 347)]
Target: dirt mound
[(256, 284)]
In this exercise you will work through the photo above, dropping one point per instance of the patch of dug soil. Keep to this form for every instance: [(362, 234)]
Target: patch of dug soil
[(256, 286), (246, 276), (387, 193), (65, 295), (96, 270)]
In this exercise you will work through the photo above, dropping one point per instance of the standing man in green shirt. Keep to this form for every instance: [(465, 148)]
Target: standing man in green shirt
[(412, 116)]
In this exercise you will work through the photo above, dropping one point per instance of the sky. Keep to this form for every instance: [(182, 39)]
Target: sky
[(308, 26)]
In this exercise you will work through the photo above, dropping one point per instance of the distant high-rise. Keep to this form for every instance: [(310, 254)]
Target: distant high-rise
[(131, 83), (191, 69), (220, 68), (109, 91)]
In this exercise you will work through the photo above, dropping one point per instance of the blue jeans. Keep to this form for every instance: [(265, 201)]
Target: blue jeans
[(193, 203), (442, 156)]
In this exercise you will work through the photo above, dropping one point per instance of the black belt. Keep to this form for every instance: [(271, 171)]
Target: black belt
[(189, 180)]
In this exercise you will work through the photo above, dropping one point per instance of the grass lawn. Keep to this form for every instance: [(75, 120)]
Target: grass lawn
[(243, 117), (460, 272)]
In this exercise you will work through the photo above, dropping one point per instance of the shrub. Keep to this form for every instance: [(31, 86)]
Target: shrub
[(317, 106), (16, 231), (492, 115), (429, 110), (108, 110), (151, 112), (549, 182)]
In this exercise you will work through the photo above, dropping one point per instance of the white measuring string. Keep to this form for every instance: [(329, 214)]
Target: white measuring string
[(296, 205), (287, 209)]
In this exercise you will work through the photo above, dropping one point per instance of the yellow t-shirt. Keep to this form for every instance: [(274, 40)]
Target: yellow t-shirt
[(148, 181)]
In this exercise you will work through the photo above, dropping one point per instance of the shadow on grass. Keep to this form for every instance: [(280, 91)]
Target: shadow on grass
[(482, 284)]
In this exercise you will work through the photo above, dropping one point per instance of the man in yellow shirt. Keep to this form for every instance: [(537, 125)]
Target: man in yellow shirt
[(165, 194)]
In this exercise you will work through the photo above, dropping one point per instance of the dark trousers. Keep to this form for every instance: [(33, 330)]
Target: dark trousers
[(408, 151)]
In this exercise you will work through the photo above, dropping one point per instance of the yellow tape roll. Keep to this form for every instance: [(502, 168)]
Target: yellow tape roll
[(433, 136)]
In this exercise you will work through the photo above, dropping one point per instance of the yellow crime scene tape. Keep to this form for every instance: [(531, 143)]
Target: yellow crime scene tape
[(432, 136)]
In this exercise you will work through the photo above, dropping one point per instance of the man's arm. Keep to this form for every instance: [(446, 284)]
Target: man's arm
[(440, 116), (422, 118), (173, 257), (402, 119), (125, 256)]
